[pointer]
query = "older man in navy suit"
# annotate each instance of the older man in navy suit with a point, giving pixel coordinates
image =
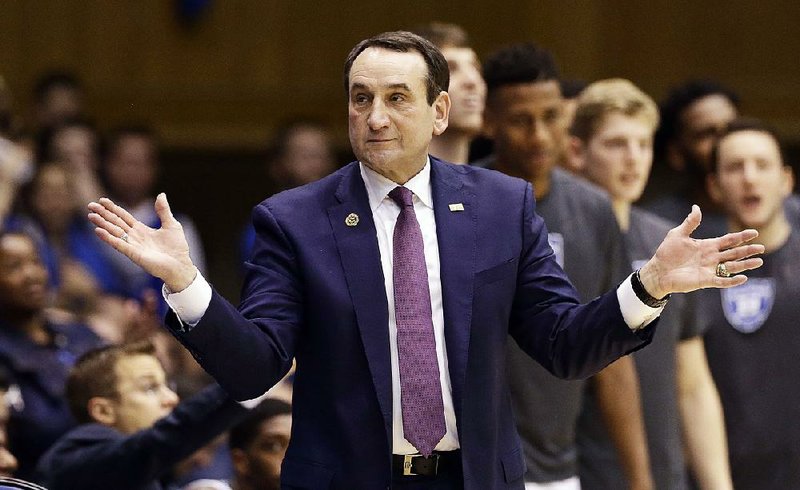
(395, 282)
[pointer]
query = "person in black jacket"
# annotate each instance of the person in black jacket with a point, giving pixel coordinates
(133, 430)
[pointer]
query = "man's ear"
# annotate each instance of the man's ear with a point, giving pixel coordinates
(576, 155)
(102, 410)
(441, 108)
(788, 181)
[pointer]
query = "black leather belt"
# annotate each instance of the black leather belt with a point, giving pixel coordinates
(440, 462)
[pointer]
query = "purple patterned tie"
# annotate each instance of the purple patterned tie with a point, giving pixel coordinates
(420, 388)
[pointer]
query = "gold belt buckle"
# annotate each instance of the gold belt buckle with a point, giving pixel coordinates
(409, 458)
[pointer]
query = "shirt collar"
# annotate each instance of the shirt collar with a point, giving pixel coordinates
(379, 187)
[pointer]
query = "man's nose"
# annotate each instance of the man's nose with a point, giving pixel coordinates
(169, 397)
(473, 78)
(378, 117)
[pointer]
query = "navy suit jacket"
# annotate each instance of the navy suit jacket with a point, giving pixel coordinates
(315, 291)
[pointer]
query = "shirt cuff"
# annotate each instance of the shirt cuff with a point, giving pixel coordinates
(190, 304)
(254, 402)
(636, 314)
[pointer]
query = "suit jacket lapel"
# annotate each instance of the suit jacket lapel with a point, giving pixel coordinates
(361, 261)
(456, 232)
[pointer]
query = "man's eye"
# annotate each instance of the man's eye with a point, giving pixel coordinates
(552, 115)
(398, 98)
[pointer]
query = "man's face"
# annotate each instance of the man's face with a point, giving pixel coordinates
(701, 123)
(76, 146)
(143, 396)
(467, 89)
(618, 156)
(23, 277)
(307, 156)
(526, 123)
(132, 168)
(751, 181)
(53, 199)
(391, 123)
(60, 104)
(260, 463)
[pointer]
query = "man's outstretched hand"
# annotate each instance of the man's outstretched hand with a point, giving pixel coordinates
(162, 252)
(682, 263)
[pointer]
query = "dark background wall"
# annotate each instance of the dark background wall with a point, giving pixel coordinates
(216, 86)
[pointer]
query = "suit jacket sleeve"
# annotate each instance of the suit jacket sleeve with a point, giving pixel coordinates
(547, 321)
(251, 348)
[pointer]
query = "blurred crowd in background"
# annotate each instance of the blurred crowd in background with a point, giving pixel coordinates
(63, 294)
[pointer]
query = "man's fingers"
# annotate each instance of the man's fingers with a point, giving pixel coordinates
(102, 223)
(119, 211)
(732, 240)
(739, 266)
(119, 244)
(729, 282)
(110, 217)
(741, 252)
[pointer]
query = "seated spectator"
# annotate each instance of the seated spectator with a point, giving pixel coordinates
(130, 172)
(36, 351)
(77, 265)
(16, 160)
(258, 445)
(58, 96)
(301, 152)
(76, 143)
(133, 430)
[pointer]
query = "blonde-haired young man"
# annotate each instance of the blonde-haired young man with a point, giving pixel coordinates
(612, 142)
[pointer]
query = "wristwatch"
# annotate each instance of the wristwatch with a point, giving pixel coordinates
(643, 295)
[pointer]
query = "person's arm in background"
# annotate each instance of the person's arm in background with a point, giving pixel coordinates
(617, 391)
(702, 420)
(16, 167)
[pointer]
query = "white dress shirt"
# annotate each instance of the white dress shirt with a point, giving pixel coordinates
(191, 303)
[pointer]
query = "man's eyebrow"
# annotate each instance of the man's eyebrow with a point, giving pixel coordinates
(402, 86)
(362, 86)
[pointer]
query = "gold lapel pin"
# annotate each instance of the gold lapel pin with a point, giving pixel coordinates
(351, 220)
(456, 206)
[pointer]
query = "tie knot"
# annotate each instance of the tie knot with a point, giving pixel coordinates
(402, 196)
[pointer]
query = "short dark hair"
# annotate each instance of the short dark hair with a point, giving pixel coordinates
(139, 130)
(244, 433)
(443, 34)
(745, 124)
(44, 144)
(438, 77)
(571, 88)
(54, 79)
(94, 374)
(519, 63)
(677, 100)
